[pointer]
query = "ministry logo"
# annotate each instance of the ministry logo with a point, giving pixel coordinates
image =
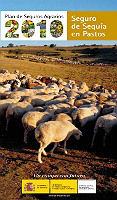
(29, 187)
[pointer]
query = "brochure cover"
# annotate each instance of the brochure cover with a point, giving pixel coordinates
(58, 100)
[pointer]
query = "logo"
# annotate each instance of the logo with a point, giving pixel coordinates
(29, 187)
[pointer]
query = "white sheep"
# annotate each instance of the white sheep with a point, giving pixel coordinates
(7, 77)
(111, 102)
(52, 88)
(55, 131)
(96, 87)
(24, 93)
(83, 86)
(104, 96)
(60, 99)
(61, 116)
(17, 110)
(89, 94)
(86, 101)
(107, 122)
(39, 100)
(11, 77)
(73, 93)
(5, 103)
(62, 107)
(16, 71)
(32, 119)
(86, 114)
(5, 88)
(70, 101)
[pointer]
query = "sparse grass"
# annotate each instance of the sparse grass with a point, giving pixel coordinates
(105, 53)
(106, 75)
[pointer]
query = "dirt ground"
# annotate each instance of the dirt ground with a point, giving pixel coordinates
(18, 162)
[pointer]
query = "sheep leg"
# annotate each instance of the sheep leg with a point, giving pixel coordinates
(44, 152)
(7, 123)
(43, 146)
(93, 139)
(65, 151)
(25, 136)
(104, 140)
(55, 145)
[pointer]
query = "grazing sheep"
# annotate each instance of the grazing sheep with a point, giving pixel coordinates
(81, 91)
(60, 99)
(96, 87)
(61, 87)
(59, 80)
(39, 100)
(62, 92)
(11, 77)
(106, 111)
(15, 84)
(24, 93)
(112, 92)
(31, 83)
(74, 87)
(16, 71)
(46, 80)
(32, 119)
(5, 88)
(55, 131)
(73, 93)
(83, 86)
(86, 114)
(104, 96)
(38, 108)
(65, 89)
(3, 78)
(38, 77)
(61, 116)
(62, 107)
(81, 102)
(70, 100)
(107, 122)
(7, 77)
(5, 95)
(17, 110)
(89, 94)
(3, 71)
(5, 103)
(114, 96)
(111, 102)
(71, 82)
(52, 88)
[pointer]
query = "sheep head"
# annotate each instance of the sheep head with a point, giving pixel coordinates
(78, 134)
(51, 109)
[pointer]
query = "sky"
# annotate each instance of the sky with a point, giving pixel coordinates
(57, 5)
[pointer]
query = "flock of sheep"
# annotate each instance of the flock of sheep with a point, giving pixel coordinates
(54, 109)
(59, 60)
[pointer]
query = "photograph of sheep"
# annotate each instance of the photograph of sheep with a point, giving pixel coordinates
(58, 116)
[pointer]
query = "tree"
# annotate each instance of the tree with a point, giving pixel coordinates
(10, 45)
(52, 45)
